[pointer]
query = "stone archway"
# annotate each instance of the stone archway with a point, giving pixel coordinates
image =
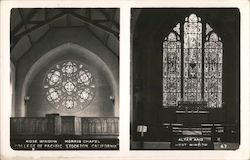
(54, 53)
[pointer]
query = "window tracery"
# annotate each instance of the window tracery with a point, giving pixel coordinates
(213, 71)
(200, 62)
(171, 70)
(192, 59)
(69, 86)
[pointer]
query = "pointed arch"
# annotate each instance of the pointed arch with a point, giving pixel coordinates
(53, 54)
(171, 70)
(213, 71)
(195, 74)
(192, 69)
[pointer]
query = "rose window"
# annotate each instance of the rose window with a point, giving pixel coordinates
(69, 86)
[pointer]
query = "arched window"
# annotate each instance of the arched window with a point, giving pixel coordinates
(213, 71)
(171, 70)
(192, 59)
(192, 71)
(69, 86)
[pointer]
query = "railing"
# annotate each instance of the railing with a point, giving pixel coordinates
(65, 125)
(100, 126)
(30, 125)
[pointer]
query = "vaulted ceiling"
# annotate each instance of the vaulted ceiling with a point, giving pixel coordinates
(28, 26)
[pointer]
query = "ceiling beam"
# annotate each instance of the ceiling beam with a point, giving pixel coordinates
(25, 25)
(106, 15)
(109, 25)
(82, 26)
(99, 39)
(42, 36)
(20, 25)
(100, 21)
(97, 25)
(34, 22)
(46, 16)
(88, 15)
(20, 35)
(12, 45)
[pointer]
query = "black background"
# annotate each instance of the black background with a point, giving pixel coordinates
(150, 28)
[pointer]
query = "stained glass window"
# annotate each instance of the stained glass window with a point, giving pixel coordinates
(201, 76)
(69, 86)
(171, 70)
(213, 71)
(192, 59)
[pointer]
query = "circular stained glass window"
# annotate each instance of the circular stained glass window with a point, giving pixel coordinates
(69, 86)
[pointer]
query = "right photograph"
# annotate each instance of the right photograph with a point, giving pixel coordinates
(185, 79)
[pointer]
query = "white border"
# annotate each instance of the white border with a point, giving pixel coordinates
(124, 153)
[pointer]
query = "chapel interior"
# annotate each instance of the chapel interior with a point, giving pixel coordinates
(185, 79)
(64, 72)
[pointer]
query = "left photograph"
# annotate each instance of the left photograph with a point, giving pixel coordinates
(64, 78)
